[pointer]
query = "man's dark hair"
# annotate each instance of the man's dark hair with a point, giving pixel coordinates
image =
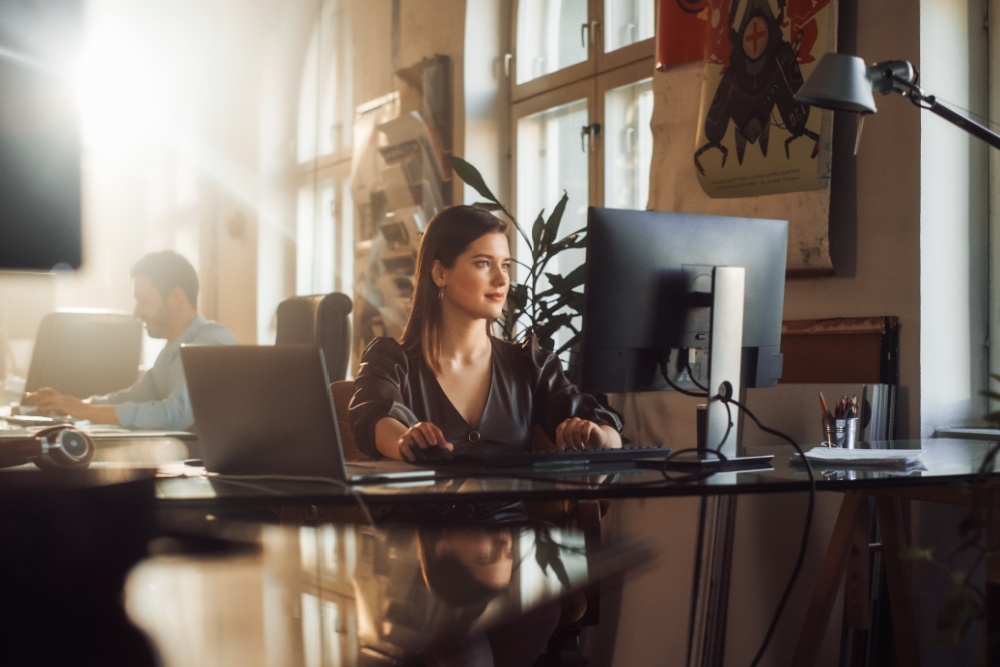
(167, 269)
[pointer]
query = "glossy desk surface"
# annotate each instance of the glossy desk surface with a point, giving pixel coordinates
(945, 462)
(87, 557)
(356, 595)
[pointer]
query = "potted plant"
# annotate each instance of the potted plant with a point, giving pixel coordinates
(540, 302)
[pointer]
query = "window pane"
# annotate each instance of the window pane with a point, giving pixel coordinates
(337, 109)
(325, 238)
(308, 125)
(344, 217)
(549, 36)
(325, 104)
(627, 22)
(628, 145)
(550, 159)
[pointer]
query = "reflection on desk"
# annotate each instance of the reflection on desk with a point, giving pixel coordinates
(345, 595)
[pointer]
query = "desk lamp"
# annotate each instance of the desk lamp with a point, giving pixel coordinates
(843, 83)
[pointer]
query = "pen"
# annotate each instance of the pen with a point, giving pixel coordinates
(822, 405)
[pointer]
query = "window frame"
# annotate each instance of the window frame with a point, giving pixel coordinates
(598, 61)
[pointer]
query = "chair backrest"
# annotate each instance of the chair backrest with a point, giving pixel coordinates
(322, 320)
(342, 391)
(86, 352)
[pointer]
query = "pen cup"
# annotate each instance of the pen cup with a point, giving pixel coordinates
(841, 432)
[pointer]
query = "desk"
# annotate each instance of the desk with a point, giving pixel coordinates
(950, 464)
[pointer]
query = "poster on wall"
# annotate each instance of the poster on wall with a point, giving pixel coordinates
(753, 138)
(399, 180)
(729, 138)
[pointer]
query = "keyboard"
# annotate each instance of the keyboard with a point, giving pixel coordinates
(37, 420)
(550, 459)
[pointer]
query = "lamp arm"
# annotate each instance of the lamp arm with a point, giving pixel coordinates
(967, 124)
(930, 103)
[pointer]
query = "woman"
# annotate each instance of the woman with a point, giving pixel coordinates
(467, 568)
(448, 384)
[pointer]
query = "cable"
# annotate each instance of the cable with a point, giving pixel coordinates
(800, 560)
(678, 388)
(238, 480)
(690, 372)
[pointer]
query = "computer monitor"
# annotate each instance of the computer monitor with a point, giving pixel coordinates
(40, 149)
(652, 280)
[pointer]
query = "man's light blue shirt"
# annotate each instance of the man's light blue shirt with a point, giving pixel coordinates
(159, 400)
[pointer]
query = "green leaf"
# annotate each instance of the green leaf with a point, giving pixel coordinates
(518, 296)
(471, 176)
(552, 225)
(916, 553)
(576, 278)
(576, 302)
(577, 239)
(569, 344)
(536, 235)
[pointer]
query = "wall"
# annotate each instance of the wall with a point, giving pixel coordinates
(877, 257)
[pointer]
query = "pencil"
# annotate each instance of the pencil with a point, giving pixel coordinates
(822, 405)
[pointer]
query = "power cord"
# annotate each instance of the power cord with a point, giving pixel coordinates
(800, 560)
(676, 387)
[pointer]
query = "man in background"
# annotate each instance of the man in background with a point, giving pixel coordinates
(166, 300)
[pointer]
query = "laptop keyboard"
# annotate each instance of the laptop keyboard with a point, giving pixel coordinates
(551, 458)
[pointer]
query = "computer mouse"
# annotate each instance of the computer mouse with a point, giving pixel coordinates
(431, 454)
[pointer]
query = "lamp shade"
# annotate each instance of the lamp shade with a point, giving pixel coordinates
(839, 82)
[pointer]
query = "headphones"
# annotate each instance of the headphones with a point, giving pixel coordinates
(50, 448)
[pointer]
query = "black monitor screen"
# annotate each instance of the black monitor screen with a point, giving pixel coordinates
(39, 135)
(648, 292)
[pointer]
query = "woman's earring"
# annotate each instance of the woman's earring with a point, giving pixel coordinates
(440, 295)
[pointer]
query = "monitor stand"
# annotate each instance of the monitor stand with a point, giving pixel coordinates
(725, 350)
(718, 423)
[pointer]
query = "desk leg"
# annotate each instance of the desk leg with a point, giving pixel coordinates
(989, 638)
(853, 517)
(903, 628)
(857, 588)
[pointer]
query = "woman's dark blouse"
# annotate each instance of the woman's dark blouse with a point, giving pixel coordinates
(528, 387)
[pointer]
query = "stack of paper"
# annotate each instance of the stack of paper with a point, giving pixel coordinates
(853, 458)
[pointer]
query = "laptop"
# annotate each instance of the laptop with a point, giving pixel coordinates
(267, 410)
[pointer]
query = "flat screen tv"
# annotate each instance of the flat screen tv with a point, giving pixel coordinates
(40, 210)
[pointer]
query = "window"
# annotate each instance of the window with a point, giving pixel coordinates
(324, 228)
(993, 187)
(582, 104)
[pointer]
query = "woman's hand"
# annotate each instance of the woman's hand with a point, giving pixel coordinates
(576, 433)
(421, 437)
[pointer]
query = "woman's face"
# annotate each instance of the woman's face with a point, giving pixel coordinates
(476, 285)
(488, 554)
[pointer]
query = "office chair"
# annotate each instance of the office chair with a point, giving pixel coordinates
(322, 320)
(85, 352)
(342, 391)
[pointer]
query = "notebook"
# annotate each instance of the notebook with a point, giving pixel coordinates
(268, 410)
